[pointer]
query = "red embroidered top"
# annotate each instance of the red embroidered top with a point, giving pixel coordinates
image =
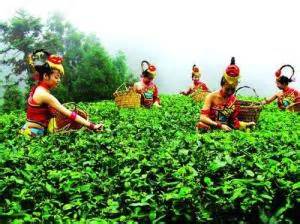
(201, 85)
(39, 114)
(149, 93)
(225, 113)
(289, 96)
(195, 87)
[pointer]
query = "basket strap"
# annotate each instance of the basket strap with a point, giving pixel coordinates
(248, 87)
(70, 104)
(123, 84)
(142, 65)
(288, 66)
(75, 107)
(293, 105)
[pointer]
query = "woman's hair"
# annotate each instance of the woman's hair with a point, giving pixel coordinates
(41, 65)
(284, 80)
(147, 74)
(43, 69)
(223, 81)
(149, 71)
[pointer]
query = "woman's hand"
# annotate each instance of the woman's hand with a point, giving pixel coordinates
(271, 99)
(245, 125)
(249, 124)
(96, 127)
(156, 104)
(264, 102)
(225, 127)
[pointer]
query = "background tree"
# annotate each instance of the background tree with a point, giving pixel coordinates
(91, 73)
(13, 98)
(18, 37)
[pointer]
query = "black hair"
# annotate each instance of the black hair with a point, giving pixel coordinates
(42, 69)
(223, 81)
(284, 80)
(147, 74)
(232, 61)
(193, 75)
(47, 53)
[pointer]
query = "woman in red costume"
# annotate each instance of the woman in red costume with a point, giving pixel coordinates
(146, 87)
(288, 96)
(41, 105)
(219, 109)
(197, 84)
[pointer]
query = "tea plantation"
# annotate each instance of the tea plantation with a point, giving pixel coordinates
(150, 166)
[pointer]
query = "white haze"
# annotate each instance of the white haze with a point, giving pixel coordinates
(174, 35)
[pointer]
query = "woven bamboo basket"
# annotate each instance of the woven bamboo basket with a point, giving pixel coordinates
(248, 110)
(199, 95)
(295, 107)
(127, 98)
(64, 124)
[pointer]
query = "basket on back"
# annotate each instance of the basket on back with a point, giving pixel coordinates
(127, 98)
(199, 95)
(248, 110)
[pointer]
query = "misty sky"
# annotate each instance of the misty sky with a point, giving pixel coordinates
(174, 35)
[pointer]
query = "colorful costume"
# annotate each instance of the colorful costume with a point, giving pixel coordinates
(148, 91)
(225, 113)
(41, 62)
(289, 95)
(38, 114)
(197, 85)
